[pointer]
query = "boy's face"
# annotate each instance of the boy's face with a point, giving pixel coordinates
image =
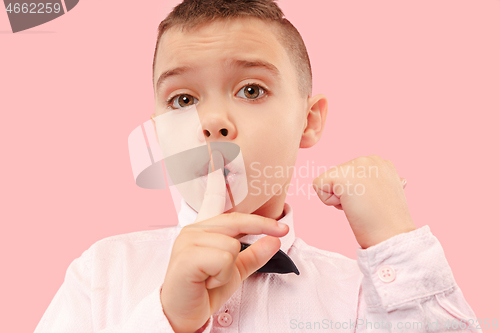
(266, 123)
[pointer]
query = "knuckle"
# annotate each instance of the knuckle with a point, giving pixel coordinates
(267, 221)
(364, 160)
(379, 159)
(180, 240)
(188, 228)
(390, 164)
(332, 173)
(235, 246)
(227, 257)
(233, 216)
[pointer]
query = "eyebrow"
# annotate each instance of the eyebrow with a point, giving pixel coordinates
(233, 63)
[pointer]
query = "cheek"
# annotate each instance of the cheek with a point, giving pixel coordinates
(276, 135)
(273, 138)
(286, 135)
(272, 149)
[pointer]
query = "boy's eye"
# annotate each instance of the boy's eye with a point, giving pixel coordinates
(251, 91)
(181, 101)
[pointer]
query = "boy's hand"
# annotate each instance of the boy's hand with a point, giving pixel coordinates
(206, 266)
(374, 202)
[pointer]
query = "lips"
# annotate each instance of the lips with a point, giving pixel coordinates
(230, 169)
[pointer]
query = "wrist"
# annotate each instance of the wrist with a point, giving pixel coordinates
(381, 235)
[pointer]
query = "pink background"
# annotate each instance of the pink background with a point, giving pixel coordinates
(414, 82)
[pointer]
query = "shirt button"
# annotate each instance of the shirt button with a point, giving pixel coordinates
(225, 319)
(386, 273)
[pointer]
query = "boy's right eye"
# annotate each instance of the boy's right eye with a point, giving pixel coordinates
(181, 101)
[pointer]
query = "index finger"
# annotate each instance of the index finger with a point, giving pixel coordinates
(236, 223)
(214, 199)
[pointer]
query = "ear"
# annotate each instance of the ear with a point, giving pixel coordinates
(154, 125)
(314, 124)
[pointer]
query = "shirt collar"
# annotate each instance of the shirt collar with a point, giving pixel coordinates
(187, 216)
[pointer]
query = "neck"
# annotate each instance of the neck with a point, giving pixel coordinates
(273, 208)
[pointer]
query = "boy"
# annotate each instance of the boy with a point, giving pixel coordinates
(247, 72)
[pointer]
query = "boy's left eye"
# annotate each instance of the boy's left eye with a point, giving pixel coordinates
(251, 91)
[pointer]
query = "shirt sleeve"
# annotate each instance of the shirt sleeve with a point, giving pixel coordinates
(408, 286)
(71, 308)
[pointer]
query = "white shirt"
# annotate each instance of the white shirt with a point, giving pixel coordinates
(114, 286)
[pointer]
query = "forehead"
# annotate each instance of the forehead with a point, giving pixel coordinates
(218, 42)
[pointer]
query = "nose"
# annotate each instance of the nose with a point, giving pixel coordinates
(222, 131)
(217, 126)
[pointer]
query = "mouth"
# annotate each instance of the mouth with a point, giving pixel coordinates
(230, 172)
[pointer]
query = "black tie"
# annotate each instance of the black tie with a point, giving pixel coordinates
(280, 263)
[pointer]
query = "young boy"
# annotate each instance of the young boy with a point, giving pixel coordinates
(247, 71)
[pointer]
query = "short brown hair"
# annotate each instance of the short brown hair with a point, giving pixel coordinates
(192, 13)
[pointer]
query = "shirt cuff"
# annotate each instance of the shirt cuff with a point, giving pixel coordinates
(403, 268)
